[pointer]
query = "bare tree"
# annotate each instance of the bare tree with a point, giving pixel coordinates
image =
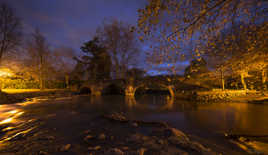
(10, 30)
(38, 51)
(120, 40)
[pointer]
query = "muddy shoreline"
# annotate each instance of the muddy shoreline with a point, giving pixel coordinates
(12, 98)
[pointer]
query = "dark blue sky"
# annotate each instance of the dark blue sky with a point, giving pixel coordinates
(69, 23)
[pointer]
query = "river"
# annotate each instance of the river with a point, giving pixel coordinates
(207, 122)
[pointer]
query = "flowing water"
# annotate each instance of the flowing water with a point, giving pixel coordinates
(207, 121)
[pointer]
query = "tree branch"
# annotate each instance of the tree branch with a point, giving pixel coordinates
(199, 17)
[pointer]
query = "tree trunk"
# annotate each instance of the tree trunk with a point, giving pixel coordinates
(222, 79)
(172, 93)
(0, 60)
(264, 77)
(243, 81)
(41, 74)
(67, 81)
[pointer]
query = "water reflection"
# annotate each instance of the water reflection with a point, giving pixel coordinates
(95, 99)
(239, 118)
(197, 119)
(170, 103)
(130, 101)
(8, 114)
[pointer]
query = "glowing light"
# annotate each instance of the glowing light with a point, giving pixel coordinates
(13, 112)
(8, 128)
(6, 121)
(5, 72)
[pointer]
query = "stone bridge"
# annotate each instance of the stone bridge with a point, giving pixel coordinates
(129, 87)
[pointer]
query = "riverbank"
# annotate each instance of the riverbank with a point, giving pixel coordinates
(10, 96)
(132, 137)
(229, 96)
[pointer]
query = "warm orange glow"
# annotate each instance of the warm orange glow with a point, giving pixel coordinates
(5, 72)
(6, 121)
(13, 112)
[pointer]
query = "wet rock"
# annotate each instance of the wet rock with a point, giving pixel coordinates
(101, 136)
(116, 117)
(160, 141)
(172, 132)
(200, 148)
(151, 144)
(88, 137)
(125, 148)
(114, 151)
(42, 153)
(50, 137)
(135, 138)
(141, 151)
(87, 131)
(134, 124)
(95, 148)
(65, 147)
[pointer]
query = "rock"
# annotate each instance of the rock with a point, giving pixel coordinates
(42, 153)
(135, 138)
(87, 131)
(65, 147)
(114, 151)
(135, 124)
(125, 148)
(102, 136)
(94, 148)
(117, 117)
(172, 132)
(141, 151)
(88, 137)
(197, 147)
(50, 137)
(160, 141)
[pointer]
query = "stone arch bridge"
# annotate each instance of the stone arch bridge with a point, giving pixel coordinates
(129, 87)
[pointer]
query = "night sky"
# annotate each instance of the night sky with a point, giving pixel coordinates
(69, 23)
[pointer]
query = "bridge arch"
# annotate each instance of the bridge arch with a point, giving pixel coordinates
(113, 89)
(132, 90)
(85, 90)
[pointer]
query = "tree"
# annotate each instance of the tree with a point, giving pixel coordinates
(135, 73)
(120, 40)
(197, 66)
(63, 63)
(38, 52)
(10, 30)
(174, 24)
(96, 59)
(239, 50)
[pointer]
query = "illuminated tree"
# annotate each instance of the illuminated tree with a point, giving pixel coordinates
(239, 50)
(120, 40)
(10, 30)
(173, 25)
(197, 66)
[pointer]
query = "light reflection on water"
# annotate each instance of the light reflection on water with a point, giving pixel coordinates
(207, 120)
